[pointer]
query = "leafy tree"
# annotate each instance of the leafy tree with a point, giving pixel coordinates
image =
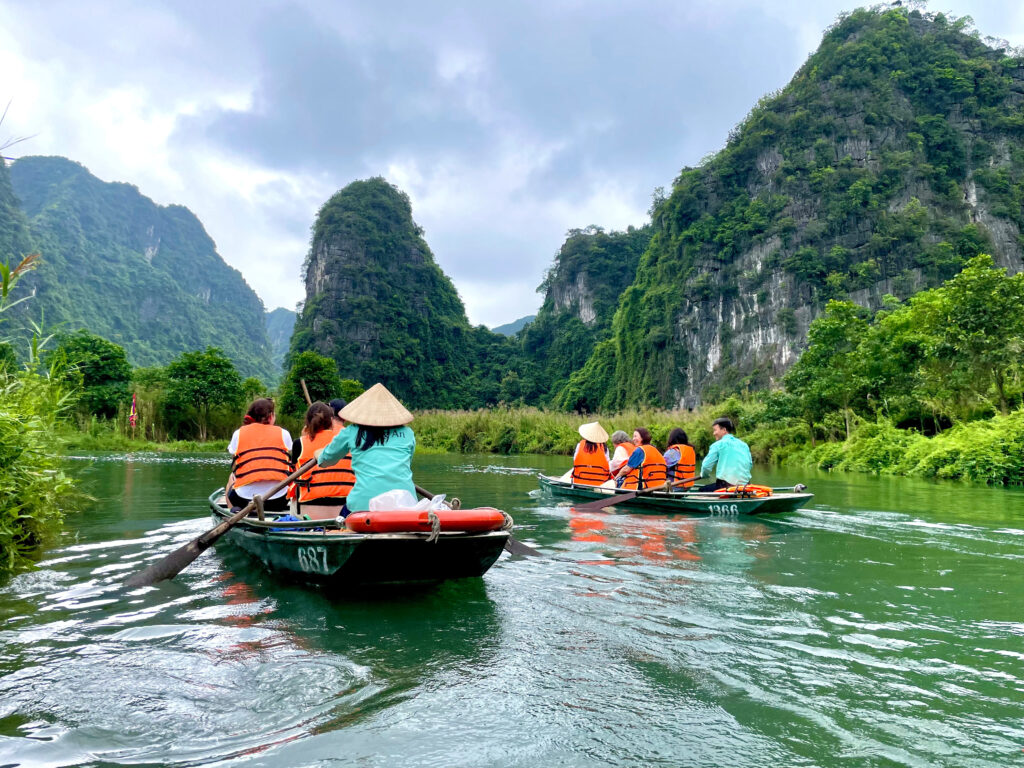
(830, 373)
(253, 388)
(201, 381)
(321, 376)
(104, 371)
(980, 326)
(350, 389)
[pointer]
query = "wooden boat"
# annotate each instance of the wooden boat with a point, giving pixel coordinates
(322, 551)
(689, 502)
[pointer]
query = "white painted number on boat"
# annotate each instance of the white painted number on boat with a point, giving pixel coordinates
(724, 509)
(313, 559)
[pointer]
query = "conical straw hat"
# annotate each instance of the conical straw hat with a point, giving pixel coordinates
(376, 407)
(593, 432)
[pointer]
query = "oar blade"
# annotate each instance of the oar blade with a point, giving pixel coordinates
(597, 506)
(516, 547)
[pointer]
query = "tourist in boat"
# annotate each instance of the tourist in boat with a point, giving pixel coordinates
(321, 486)
(645, 466)
(729, 457)
(337, 404)
(261, 458)
(590, 459)
(680, 457)
(380, 443)
(623, 447)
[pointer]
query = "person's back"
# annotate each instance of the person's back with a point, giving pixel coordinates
(322, 486)
(261, 458)
(729, 457)
(381, 444)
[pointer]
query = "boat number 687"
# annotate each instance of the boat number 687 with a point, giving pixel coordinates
(313, 559)
(724, 509)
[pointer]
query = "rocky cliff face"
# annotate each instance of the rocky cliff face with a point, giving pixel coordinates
(280, 324)
(894, 154)
(147, 277)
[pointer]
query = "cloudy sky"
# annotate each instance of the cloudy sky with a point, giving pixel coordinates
(506, 123)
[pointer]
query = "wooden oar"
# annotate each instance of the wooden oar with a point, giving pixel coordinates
(596, 506)
(513, 546)
(173, 563)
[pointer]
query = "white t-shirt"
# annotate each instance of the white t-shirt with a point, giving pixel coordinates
(261, 486)
(621, 456)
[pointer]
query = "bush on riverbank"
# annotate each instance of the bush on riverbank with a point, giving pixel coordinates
(989, 451)
(34, 491)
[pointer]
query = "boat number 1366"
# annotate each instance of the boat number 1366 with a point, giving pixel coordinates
(724, 509)
(313, 559)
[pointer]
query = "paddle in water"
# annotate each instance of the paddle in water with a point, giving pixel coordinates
(171, 565)
(512, 545)
(597, 506)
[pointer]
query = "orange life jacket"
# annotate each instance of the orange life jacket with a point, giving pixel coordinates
(686, 466)
(590, 468)
(746, 491)
(261, 455)
(333, 482)
(652, 472)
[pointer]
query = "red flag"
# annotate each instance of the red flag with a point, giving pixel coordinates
(133, 414)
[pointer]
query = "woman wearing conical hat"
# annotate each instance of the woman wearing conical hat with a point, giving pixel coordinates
(380, 443)
(590, 459)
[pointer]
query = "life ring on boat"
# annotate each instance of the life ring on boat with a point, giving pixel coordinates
(416, 521)
(746, 491)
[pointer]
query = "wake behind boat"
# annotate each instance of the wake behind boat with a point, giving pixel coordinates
(690, 502)
(323, 551)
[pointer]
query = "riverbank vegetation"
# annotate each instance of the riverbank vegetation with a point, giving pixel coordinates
(34, 491)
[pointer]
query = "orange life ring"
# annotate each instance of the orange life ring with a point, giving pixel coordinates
(413, 521)
(746, 491)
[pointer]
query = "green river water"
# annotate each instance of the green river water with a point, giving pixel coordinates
(881, 626)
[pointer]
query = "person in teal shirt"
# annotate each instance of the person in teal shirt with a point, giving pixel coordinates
(729, 457)
(380, 443)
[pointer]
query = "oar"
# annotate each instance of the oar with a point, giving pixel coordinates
(173, 563)
(514, 546)
(596, 506)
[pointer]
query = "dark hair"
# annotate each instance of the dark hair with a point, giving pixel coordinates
(337, 404)
(589, 447)
(367, 437)
(260, 411)
(319, 417)
(725, 424)
(645, 435)
(678, 437)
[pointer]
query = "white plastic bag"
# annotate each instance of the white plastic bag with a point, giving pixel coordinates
(396, 499)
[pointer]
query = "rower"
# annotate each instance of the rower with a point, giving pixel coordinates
(729, 457)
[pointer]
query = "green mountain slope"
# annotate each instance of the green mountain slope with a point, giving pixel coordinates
(581, 291)
(280, 324)
(147, 277)
(893, 155)
(379, 305)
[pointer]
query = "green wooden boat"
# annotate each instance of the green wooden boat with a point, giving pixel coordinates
(689, 502)
(322, 551)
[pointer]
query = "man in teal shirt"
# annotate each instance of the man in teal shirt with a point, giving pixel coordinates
(729, 457)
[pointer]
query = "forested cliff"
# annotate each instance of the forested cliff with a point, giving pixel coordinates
(893, 155)
(378, 304)
(145, 276)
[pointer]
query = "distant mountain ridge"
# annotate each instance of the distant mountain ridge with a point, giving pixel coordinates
(145, 276)
(511, 329)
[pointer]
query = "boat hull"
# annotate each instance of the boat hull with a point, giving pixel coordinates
(689, 502)
(335, 555)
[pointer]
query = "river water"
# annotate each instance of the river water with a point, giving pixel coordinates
(881, 626)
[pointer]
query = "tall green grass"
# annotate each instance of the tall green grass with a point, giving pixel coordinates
(34, 490)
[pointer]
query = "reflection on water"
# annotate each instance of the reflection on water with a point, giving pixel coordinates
(881, 626)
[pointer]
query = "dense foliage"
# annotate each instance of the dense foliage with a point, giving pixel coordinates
(101, 369)
(144, 276)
